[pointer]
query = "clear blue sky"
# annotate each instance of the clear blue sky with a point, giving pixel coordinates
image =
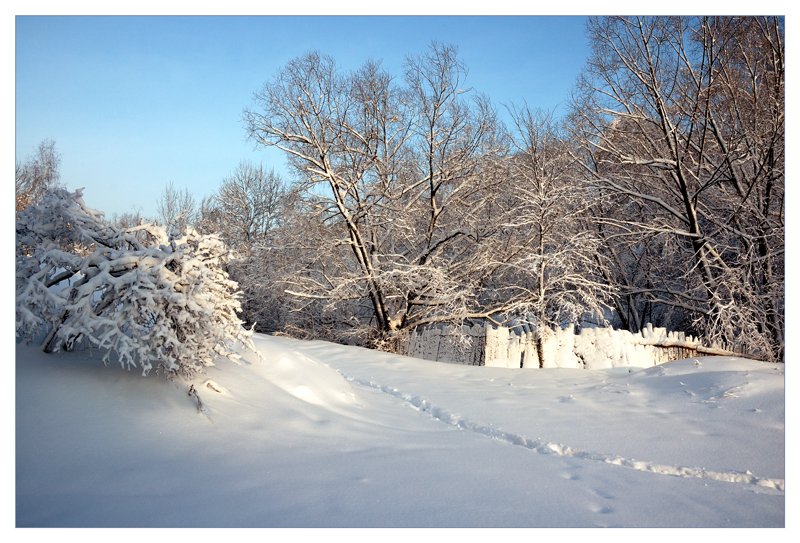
(135, 102)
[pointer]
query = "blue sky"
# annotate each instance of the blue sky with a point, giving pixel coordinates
(135, 102)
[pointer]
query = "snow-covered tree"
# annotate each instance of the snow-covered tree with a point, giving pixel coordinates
(248, 205)
(249, 212)
(682, 120)
(145, 298)
(401, 180)
(559, 269)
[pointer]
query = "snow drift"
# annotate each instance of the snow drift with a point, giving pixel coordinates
(323, 435)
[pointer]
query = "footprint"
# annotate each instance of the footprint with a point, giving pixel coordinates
(601, 509)
(603, 494)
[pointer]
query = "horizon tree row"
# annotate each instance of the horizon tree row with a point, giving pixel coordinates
(661, 195)
(658, 198)
(414, 205)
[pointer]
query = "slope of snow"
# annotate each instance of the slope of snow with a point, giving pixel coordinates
(321, 435)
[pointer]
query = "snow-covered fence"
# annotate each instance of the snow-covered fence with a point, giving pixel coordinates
(590, 348)
(462, 345)
(608, 348)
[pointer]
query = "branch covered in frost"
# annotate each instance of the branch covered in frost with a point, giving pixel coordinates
(143, 298)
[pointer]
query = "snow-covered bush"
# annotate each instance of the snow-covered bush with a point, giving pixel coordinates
(145, 298)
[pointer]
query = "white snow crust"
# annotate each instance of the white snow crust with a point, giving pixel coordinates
(322, 435)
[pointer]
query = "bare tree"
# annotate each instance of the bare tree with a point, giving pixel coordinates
(37, 174)
(176, 209)
(208, 217)
(249, 204)
(400, 180)
(684, 116)
(560, 269)
(249, 212)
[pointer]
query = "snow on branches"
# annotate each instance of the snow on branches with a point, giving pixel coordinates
(145, 298)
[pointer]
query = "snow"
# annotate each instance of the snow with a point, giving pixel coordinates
(322, 435)
(139, 294)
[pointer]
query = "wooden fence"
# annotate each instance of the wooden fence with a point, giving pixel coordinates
(461, 345)
(590, 348)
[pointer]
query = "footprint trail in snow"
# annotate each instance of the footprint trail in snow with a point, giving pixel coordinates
(541, 446)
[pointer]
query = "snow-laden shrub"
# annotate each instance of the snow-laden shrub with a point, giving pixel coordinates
(145, 298)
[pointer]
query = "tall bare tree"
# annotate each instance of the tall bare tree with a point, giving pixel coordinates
(685, 118)
(559, 267)
(401, 180)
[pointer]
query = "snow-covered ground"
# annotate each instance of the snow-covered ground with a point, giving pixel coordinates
(322, 435)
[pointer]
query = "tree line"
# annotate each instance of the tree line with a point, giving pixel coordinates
(409, 202)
